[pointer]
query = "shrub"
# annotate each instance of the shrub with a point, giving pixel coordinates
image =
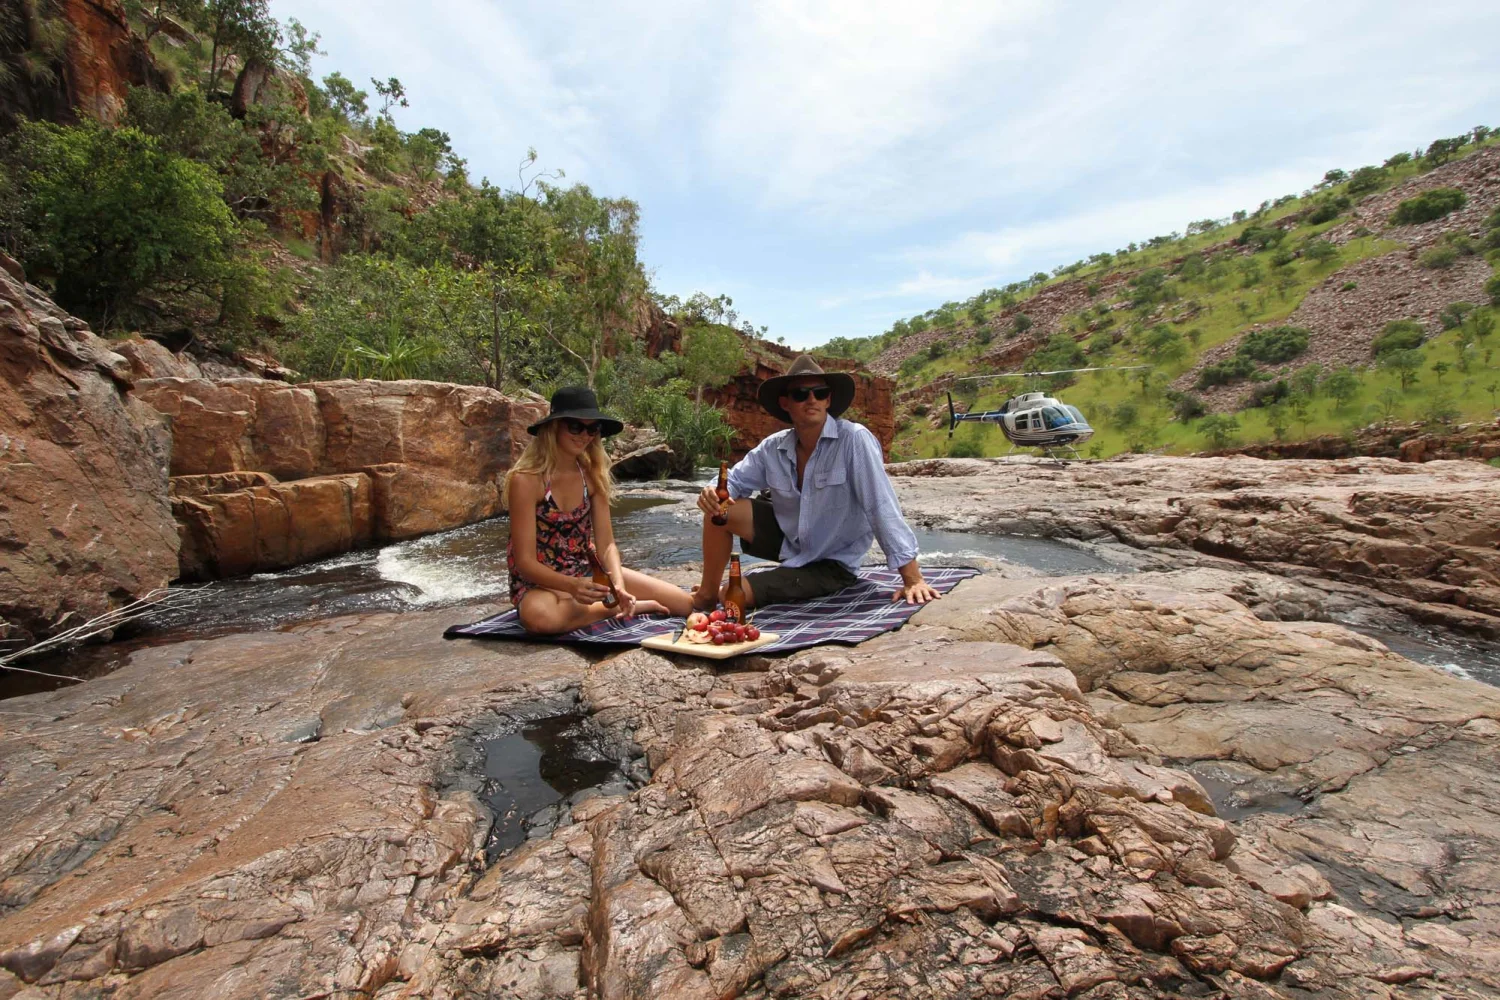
(1273, 346)
(1349, 286)
(936, 349)
(1492, 289)
(1453, 314)
(1268, 393)
(113, 215)
(1440, 257)
(964, 448)
(1189, 407)
(1429, 205)
(1229, 370)
(1398, 159)
(1261, 236)
(1366, 179)
(1399, 335)
(1321, 251)
(1327, 210)
(1220, 429)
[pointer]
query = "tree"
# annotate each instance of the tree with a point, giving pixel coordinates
(1441, 368)
(1277, 420)
(1405, 364)
(301, 46)
(1389, 400)
(1342, 384)
(391, 92)
(1220, 429)
(237, 27)
(1335, 176)
(1306, 379)
(346, 100)
(712, 355)
(1366, 179)
(112, 215)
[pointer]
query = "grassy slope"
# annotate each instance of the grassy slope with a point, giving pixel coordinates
(1225, 311)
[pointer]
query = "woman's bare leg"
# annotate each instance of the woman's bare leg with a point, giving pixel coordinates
(674, 600)
(547, 612)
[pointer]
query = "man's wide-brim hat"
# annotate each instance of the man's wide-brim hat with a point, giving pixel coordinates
(576, 402)
(772, 389)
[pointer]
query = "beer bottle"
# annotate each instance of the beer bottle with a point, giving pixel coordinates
(602, 578)
(722, 517)
(734, 593)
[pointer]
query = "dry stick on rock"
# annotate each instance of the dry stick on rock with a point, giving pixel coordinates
(161, 599)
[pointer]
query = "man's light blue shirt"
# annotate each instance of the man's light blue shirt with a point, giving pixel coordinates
(850, 500)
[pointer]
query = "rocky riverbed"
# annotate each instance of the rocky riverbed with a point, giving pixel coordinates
(1174, 782)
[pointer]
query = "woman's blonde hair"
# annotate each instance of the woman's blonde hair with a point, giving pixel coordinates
(542, 455)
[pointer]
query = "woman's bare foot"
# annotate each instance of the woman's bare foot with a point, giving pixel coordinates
(651, 608)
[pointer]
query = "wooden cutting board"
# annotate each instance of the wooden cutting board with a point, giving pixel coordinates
(664, 643)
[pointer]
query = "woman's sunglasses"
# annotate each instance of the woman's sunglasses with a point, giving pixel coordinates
(800, 394)
(579, 427)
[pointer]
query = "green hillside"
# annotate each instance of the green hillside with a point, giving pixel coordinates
(1408, 247)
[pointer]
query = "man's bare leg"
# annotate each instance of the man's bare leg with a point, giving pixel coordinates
(718, 542)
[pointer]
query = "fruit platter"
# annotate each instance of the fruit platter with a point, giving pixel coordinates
(713, 635)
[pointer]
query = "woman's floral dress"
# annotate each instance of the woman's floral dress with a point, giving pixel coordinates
(563, 539)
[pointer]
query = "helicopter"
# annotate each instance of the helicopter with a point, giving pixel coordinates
(1035, 419)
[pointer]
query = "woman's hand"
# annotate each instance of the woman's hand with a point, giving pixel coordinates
(585, 590)
(627, 603)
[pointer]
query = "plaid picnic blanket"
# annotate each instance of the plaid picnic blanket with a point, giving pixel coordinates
(848, 617)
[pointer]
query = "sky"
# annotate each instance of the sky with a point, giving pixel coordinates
(836, 166)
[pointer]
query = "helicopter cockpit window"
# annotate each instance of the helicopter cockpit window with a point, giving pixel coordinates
(1056, 417)
(1076, 412)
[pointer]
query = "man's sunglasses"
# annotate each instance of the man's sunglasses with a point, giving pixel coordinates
(800, 394)
(579, 427)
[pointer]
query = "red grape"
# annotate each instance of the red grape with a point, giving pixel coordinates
(752, 633)
(716, 615)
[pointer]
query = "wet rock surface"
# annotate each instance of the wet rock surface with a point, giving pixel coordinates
(1421, 538)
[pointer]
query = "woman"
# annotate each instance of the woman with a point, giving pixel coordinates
(563, 477)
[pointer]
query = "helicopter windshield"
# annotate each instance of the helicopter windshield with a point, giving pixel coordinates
(1077, 414)
(1055, 417)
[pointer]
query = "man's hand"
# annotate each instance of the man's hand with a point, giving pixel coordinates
(708, 502)
(916, 593)
(914, 589)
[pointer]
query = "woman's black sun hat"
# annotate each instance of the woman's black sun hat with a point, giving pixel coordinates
(577, 402)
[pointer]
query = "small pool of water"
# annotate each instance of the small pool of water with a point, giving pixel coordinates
(533, 775)
(1239, 790)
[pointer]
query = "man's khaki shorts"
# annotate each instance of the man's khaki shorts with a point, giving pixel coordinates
(786, 583)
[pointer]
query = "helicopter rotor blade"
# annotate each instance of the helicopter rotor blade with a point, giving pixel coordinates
(1058, 371)
(952, 416)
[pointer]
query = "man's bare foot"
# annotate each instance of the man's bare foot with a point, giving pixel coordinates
(702, 602)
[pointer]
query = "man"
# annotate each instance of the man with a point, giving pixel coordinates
(830, 497)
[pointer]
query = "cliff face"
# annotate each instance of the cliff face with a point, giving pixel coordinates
(873, 404)
(84, 519)
(101, 61)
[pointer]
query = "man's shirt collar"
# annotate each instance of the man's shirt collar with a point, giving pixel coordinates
(788, 443)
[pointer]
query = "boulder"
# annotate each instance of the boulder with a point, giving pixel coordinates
(654, 461)
(84, 518)
(273, 526)
(468, 433)
(410, 501)
(149, 359)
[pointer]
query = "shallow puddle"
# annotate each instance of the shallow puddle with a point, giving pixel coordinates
(532, 775)
(1238, 790)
